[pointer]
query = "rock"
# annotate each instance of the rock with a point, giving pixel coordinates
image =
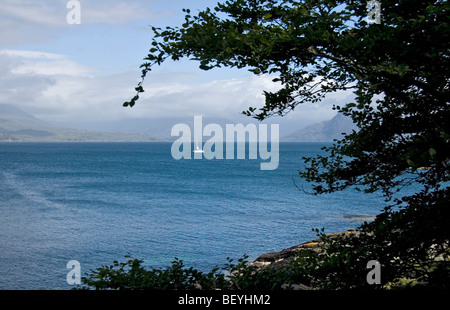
(284, 257)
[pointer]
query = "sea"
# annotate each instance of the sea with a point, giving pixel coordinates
(96, 203)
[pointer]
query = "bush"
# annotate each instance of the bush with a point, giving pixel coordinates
(411, 244)
(131, 275)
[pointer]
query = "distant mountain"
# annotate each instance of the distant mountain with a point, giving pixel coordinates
(13, 118)
(156, 127)
(325, 131)
(17, 125)
(162, 127)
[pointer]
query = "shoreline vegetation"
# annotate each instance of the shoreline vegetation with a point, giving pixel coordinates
(310, 266)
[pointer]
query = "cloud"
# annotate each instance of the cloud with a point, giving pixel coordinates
(57, 89)
(50, 13)
(31, 54)
(53, 68)
(40, 21)
(18, 88)
(226, 97)
(54, 12)
(80, 76)
(43, 63)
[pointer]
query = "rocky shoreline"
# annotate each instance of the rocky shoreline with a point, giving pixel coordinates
(284, 257)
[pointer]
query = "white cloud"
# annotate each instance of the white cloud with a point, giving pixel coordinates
(42, 21)
(31, 54)
(54, 12)
(226, 98)
(218, 98)
(43, 63)
(18, 88)
(55, 88)
(58, 67)
(61, 86)
(50, 13)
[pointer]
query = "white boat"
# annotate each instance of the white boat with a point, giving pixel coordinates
(197, 149)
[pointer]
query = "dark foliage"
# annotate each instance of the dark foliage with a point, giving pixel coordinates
(398, 71)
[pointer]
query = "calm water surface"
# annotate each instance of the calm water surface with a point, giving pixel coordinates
(98, 202)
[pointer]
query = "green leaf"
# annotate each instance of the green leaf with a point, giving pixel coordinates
(267, 15)
(432, 152)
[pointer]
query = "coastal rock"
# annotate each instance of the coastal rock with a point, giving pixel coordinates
(284, 257)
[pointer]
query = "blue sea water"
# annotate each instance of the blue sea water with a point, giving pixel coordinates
(98, 202)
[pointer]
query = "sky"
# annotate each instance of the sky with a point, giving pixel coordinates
(67, 73)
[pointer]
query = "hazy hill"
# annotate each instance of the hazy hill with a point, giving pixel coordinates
(13, 118)
(325, 131)
(17, 125)
(162, 127)
(157, 127)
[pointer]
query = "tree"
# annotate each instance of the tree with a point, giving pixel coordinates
(398, 71)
